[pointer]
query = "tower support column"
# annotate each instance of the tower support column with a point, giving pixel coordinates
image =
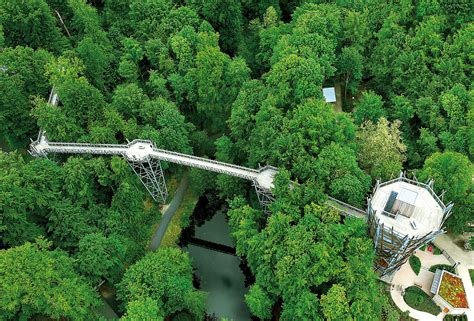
(265, 197)
(151, 175)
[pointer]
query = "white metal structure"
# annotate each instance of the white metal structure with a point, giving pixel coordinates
(402, 214)
(144, 158)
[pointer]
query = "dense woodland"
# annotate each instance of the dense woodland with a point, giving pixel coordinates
(239, 81)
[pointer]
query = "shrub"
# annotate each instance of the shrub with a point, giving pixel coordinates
(450, 317)
(445, 267)
(415, 264)
(419, 300)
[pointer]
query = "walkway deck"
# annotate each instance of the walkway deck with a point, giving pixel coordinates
(139, 150)
(346, 209)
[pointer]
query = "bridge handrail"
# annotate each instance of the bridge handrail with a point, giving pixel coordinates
(410, 181)
(115, 146)
(206, 160)
(248, 173)
(358, 210)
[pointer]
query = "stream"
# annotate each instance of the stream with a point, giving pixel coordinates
(219, 273)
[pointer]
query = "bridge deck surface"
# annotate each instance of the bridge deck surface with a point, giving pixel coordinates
(346, 208)
(139, 150)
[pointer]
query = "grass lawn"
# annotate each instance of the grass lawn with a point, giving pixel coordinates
(415, 264)
(419, 300)
(471, 273)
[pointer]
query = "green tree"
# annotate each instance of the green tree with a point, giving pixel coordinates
(30, 23)
(427, 143)
(68, 223)
(259, 302)
(36, 281)
(218, 79)
(334, 303)
(100, 257)
(16, 224)
(301, 250)
(129, 99)
(164, 276)
(96, 60)
(146, 16)
(54, 122)
(452, 172)
(369, 108)
(22, 76)
(165, 125)
(242, 118)
(381, 150)
(294, 141)
(293, 79)
(2, 37)
(142, 309)
(337, 168)
(226, 17)
(313, 35)
(350, 67)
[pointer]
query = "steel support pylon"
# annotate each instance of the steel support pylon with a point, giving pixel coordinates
(265, 197)
(151, 175)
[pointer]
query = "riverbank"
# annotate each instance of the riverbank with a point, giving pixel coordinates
(179, 216)
(168, 220)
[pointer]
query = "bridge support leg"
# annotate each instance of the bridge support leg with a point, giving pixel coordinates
(265, 197)
(151, 175)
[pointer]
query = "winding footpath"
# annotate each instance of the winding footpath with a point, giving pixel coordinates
(169, 212)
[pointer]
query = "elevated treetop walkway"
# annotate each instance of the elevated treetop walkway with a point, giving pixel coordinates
(144, 158)
(141, 150)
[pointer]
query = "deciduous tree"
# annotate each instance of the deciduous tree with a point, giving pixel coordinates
(36, 281)
(165, 277)
(381, 150)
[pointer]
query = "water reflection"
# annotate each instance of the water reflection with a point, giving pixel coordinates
(219, 273)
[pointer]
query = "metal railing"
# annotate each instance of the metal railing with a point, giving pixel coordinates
(417, 183)
(211, 161)
(449, 258)
(42, 145)
(347, 205)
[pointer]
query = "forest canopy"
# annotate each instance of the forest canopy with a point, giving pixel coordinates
(241, 82)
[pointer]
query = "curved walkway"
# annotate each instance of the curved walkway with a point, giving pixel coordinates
(169, 212)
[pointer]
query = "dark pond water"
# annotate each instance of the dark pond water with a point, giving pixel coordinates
(218, 273)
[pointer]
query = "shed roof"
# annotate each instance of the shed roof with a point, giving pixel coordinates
(329, 94)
